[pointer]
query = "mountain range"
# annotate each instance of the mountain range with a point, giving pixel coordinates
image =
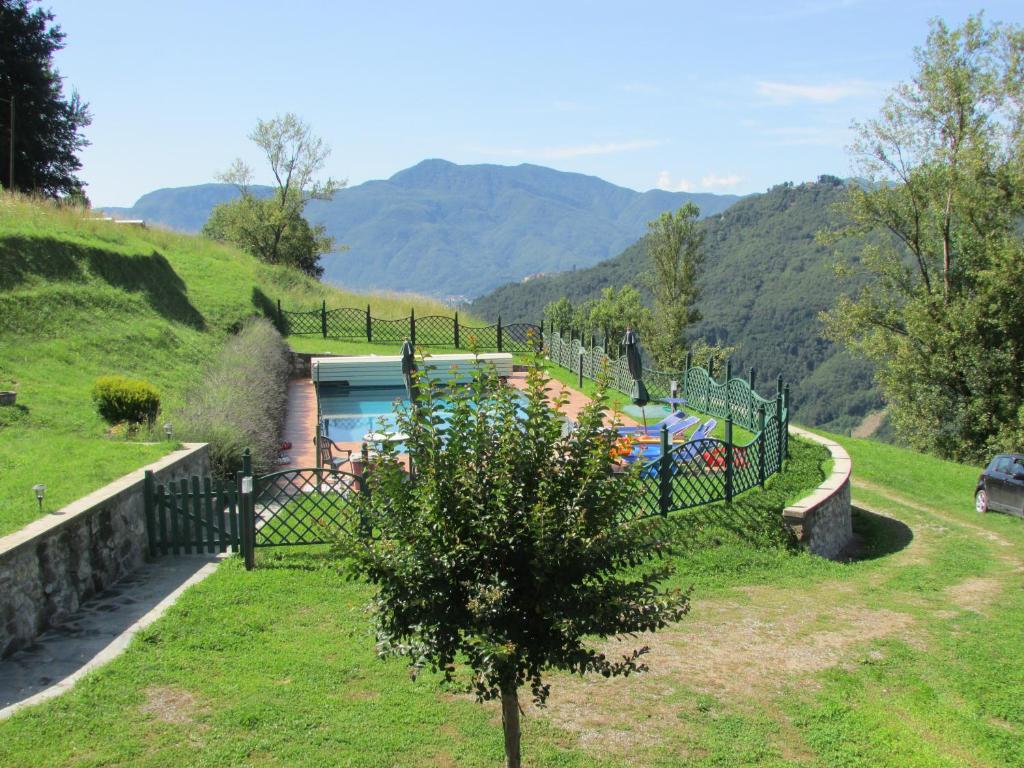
(765, 279)
(443, 229)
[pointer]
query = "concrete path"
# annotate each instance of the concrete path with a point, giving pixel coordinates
(98, 632)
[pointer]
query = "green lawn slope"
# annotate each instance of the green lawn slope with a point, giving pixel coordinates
(79, 299)
(908, 657)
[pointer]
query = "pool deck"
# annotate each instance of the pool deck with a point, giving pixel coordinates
(300, 422)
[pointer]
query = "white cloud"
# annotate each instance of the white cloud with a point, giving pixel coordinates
(564, 105)
(574, 150)
(713, 181)
(823, 93)
(665, 182)
(645, 88)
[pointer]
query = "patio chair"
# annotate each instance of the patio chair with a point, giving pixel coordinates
(655, 429)
(332, 456)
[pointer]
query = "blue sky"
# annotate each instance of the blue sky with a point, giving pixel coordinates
(711, 96)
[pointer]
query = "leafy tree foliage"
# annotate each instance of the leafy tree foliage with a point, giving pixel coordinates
(939, 313)
(675, 247)
(46, 125)
(275, 229)
(276, 233)
(505, 551)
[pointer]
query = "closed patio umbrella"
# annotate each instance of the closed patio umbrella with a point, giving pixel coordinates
(408, 369)
(636, 369)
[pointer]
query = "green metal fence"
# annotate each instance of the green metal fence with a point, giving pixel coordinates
(357, 324)
(702, 471)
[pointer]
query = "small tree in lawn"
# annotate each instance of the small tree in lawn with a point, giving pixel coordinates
(505, 554)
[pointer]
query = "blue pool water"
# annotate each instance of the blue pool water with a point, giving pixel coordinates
(349, 414)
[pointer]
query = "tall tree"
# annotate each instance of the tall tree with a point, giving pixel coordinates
(506, 552)
(275, 229)
(939, 311)
(46, 131)
(675, 247)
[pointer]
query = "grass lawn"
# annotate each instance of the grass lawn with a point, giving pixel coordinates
(907, 657)
(81, 299)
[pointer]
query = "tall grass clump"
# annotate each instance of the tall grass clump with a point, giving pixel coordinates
(242, 400)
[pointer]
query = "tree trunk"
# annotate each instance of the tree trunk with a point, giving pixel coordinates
(510, 722)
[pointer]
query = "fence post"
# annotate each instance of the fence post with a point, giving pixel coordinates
(456, 329)
(369, 325)
(581, 368)
(686, 372)
(750, 378)
(778, 417)
(149, 491)
(778, 388)
(728, 370)
(280, 318)
(247, 508)
(728, 458)
(499, 333)
(246, 462)
(412, 325)
(761, 444)
(664, 475)
(785, 431)
(323, 318)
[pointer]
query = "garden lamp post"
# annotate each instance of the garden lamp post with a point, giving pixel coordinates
(10, 173)
(168, 429)
(40, 490)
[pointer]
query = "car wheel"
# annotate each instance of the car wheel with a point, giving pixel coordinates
(981, 501)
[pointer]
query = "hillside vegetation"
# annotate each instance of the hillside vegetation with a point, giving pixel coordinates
(80, 299)
(444, 229)
(765, 280)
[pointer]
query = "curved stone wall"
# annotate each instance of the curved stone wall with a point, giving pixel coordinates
(822, 521)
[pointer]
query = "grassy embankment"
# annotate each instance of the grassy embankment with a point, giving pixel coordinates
(80, 299)
(908, 657)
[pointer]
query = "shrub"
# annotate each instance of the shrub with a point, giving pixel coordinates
(119, 399)
(242, 400)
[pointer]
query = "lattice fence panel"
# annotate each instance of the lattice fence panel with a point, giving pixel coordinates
(301, 323)
(658, 383)
(435, 331)
(482, 336)
(390, 331)
(698, 473)
(520, 337)
(304, 506)
(646, 495)
(744, 468)
(346, 323)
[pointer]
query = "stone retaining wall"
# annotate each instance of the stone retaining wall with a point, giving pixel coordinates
(822, 522)
(49, 567)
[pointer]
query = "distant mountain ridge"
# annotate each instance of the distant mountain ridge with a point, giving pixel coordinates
(765, 280)
(444, 229)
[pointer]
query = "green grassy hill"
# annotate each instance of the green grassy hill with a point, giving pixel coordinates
(80, 299)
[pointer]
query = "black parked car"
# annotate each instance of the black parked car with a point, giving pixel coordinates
(1001, 486)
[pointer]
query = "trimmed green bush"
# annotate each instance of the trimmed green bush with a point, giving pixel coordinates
(119, 398)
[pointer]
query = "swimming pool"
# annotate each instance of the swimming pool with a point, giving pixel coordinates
(350, 413)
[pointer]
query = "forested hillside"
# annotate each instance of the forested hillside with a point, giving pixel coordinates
(765, 280)
(448, 230)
